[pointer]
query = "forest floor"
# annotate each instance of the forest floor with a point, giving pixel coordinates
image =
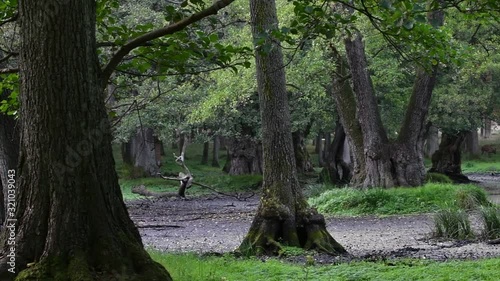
(217, 224)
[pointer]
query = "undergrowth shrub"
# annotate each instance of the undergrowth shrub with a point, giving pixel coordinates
(452, 223)
(490, 217)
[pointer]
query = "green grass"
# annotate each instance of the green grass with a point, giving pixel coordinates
(452, 224)
(204, 174)
(190, 267)
(429, 198)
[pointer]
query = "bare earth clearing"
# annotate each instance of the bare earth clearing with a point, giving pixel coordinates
(218, 224)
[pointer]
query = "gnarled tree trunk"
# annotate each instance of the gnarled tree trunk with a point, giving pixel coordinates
(388, 164)
(71, 223)
(283, 216)
(337, 170)
(447, 159)
(244, 156)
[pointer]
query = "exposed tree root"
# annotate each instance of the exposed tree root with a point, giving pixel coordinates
(267, 236)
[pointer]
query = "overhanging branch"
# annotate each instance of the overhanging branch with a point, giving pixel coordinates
(170, 29)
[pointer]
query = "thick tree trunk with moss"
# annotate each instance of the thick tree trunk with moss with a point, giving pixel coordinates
(72, 223)
(283, 216)
(345, 102)
(447, 159)
(398, 163)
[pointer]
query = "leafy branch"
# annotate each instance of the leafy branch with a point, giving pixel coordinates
(154, 34)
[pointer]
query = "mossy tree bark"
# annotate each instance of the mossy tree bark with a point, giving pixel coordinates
(72, 223)
(283, 216)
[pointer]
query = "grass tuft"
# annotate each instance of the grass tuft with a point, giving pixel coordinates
(452, 223)
(491, 222)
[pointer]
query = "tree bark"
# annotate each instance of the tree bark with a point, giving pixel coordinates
(244, 156)
(398, 163)
(302, 158)
(431, 141)
(472, 143)
(345, 103)
(204, 157)
(447, 159)
(337, 170)
(215, 152)
(141, 152)
(487, 128)
(283, 216)
(71, 223)
(158, 151)
(9, 153)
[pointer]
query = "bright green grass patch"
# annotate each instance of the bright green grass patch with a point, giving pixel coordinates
(190, 267)
(428, 198)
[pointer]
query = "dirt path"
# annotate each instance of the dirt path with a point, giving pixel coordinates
(218, 224)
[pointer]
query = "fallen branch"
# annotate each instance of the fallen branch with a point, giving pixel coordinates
(237, 195)
(494, 241)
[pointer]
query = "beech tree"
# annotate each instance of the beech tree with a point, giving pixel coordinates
(71, 219)
(283, 216)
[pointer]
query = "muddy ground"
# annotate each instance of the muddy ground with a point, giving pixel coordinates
(218, 224)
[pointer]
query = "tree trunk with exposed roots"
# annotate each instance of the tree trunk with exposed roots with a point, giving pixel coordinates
(283, 216)
(71, 223)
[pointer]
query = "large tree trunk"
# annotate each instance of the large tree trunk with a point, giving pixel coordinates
(447, 159)
(244, 156)
(283, 216)
(431, 141)
(204, 157)
(378, 169)
(337, 170)
(159, 152)
(71, 223)
(215, 152)
(141, 152)
(472, 143)
(487, 128)
(399, 163)
(345, 102)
